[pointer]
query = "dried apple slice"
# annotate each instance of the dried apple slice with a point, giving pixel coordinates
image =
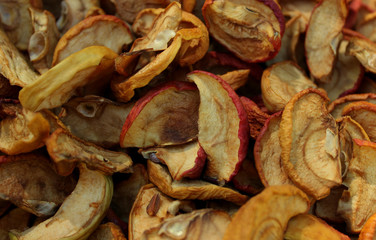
(367, 27)
(321, 43)
(95, 119)
(199, 224)
(368, 230)
(308, 135)
(256, 117)
(28, 181)
(281, 82)
(57, 85)
(346, 75)
(364, 50)
(190, 189)
(167, 115)
(309, 227)
(66, 150)
(266, 215)
(116, 35)
(14, 67)
(236, 78)
(185, 160)
(326, 208)
(15, 219)
(298, 7)
(267, 153)
(107, 231)
(223, 130)
(80, 213)
(251, 30)
(356, 204)
(336, 107)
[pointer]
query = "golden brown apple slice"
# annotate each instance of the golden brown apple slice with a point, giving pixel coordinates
(167, 115)
(308, 135)
(15, 219)
(101, 30)
(365, 114)
(28, 181)
(364, 50)
(236, 78)
(80, 213)
(190, 189)
(57, 85)
(267, 153)
(199, 224)
(95, 119)
(326, 208)
(309, 227)
(66, 150)
(266, 215)
(251, 30)
(368, 230)
(256, 117)
(298, 7)
(356, 204)
(223, 130)
(336, 107)
(281, 82)
(186, 160)
(321, 43)
(107, 231)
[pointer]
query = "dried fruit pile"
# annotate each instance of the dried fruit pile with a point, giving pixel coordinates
(223, 119)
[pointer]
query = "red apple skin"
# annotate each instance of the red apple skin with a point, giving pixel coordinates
(361, 142)
(243, 132)
(200, 161)
(356, 85)
(354, 7)
(141, 103)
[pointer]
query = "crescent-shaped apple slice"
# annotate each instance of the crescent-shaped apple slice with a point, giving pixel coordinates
(336, 107)
(266, 215)
(223, 130)
(167, 115)
(57, 85)
(308, 135)
(80, 213)
(364, 50)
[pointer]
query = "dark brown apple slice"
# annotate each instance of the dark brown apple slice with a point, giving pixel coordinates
(326, 208)
(186, 160)
(256, 117)
(223, 130)
(336, 107)
(251, 30)
(321, 43)
(167, 115)
(15, 219)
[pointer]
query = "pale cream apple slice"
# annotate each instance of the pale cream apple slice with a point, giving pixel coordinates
(186, 160)
(367, 26)
(321, 43)
(167, 115)
(336, 107)
(223, 130)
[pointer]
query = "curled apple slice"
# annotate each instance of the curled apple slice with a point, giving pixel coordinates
(364, 50)
(223, 130)
(266, 215)
(166, 115)
(185, 160)
(107, 231)
(281, 82)
(236, 78)
(57, 85)
(307, 226)
(298, 7)
(256, 117)
(321, 43)
(251, 30)
(93, 31)
(80, 213)
(190, 189)
(66, 150)
(336, 107)
(308, 136)
(356, 204)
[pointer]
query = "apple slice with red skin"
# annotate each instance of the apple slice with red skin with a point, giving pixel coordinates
(336, 107)
(223, 130)
(167, 115)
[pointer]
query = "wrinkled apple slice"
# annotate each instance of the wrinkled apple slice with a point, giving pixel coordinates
(80, 213)
(356, 204)
(367, 27)
(364, 50)
(309, 227)
(308, 136)
(44, 39)
(199, 224)
(95, 119)
(116, 35)
(326, 208)
(28, 181)
(13, 65)
(223, 130)
(16, 219)
(190, 189)
(267, 153)
(22, 131)
(266, 215)
(185, 160)
(236, 78)
(66, 150)
(256, 117)
(298, 7)
(336, 107)
(166, 115)
(57, 85)
(107, 231)
(251, 30)
(365, 114)
(321, 43)
(368, 230)
(281, 82)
